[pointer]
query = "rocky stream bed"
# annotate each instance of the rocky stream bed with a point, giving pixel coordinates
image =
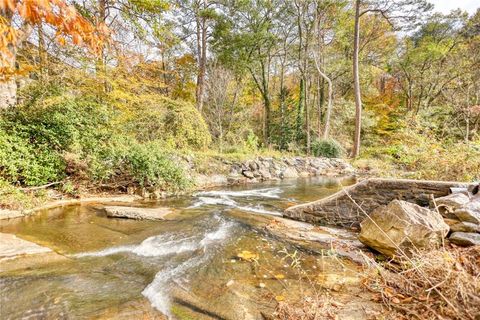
(221, 254)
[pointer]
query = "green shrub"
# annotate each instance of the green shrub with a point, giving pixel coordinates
(132, 163)
(15, 199)
(150, 166)
(81, 138)
(28, 164)
(184, 126)
(327, 148)
(252, 142)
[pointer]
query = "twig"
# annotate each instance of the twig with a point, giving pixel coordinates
(28, 189)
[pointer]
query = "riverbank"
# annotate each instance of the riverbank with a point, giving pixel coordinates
(203, 172)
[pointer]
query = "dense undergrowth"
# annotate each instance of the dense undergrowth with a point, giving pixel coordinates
(82, 139)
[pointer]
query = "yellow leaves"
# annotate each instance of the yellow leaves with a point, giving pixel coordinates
(61, 40)
(248, 256)
(388, 292)
(279, 298)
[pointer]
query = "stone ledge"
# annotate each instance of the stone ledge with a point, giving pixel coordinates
(338, 209)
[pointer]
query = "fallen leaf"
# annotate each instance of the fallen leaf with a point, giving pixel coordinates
(422, 298)
(395, 300)
(248, 256)
(337, 287)
(388, 292)
(279, 298)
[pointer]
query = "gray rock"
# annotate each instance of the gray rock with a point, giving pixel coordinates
(289, 161)
(265, 174)
(407, 226)
(304, 174)
(290, 172)
(465, 227)
(248, 174)
(137, 213)
(450, 203)
(253, 165)
(469, 212)
(465, 239)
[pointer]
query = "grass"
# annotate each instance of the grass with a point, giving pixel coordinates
(403, 288)
(13, 198)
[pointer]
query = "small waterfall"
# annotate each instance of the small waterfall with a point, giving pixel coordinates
(157, 292)
(224, 198)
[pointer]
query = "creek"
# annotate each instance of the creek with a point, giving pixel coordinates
(186, 267)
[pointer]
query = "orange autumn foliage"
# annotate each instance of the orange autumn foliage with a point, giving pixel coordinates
(67, 22)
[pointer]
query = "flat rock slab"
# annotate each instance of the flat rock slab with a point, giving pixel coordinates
(137, 213)
(465, 239)
(10, 214)
(344, 243)
(11, 246)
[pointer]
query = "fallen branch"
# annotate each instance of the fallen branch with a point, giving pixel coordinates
(29, 189)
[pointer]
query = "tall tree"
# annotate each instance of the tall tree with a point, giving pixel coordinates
(400, 14)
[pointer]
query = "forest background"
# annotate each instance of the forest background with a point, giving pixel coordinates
(110, 93)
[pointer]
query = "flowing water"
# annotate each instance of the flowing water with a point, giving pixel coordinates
(186, 267)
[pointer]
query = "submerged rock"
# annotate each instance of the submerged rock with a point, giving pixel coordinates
(137, 213)
(465, 239)
(11, 246)
(404, 225)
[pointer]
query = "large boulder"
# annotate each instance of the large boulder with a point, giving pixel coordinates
(137, 213)
(402, 225)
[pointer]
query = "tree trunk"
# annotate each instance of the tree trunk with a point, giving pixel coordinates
(8, 85)
(282, 106)
(267, 105)
(356, 83)
(307, 116)
(42, 54)
(202, 57)
(8, 93)
(101, 66)
(326, 129)
(298, 123)
(320, 102)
